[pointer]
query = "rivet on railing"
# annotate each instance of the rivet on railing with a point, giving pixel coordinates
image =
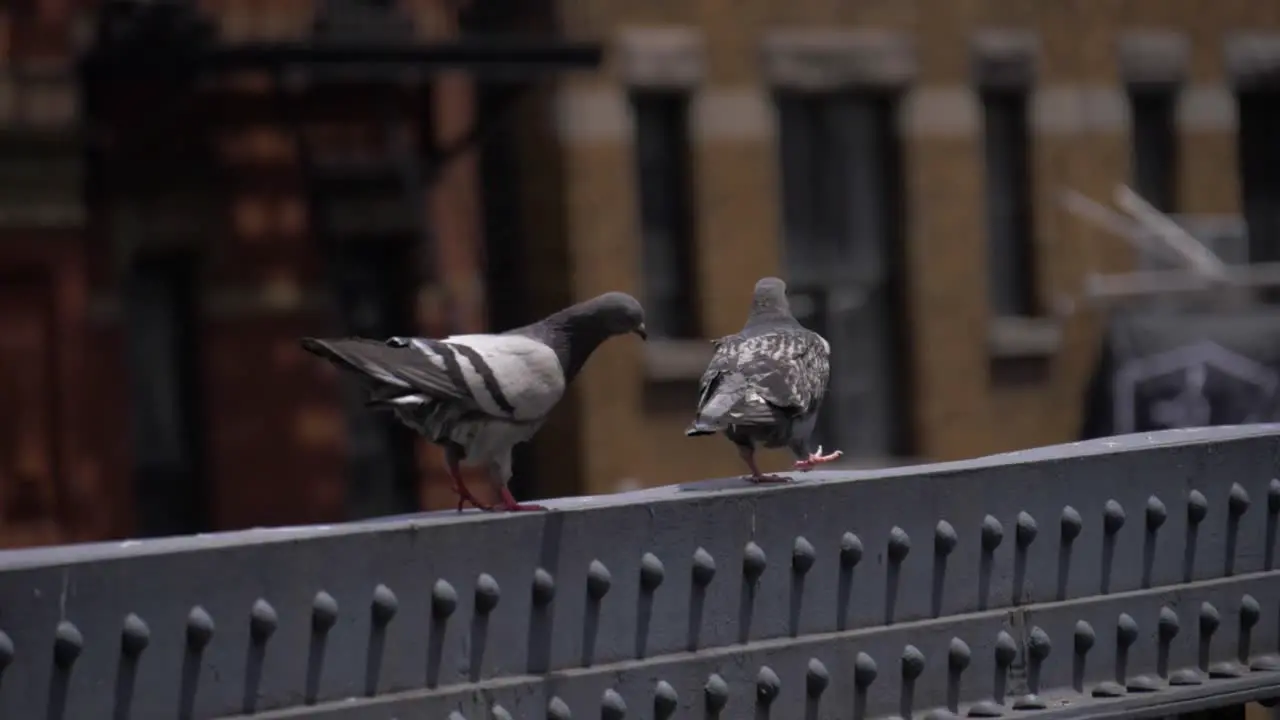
(899, 548)
(1038, 648)
(263, 621)
(715, 694)
(992, 536)
(456, 715)
(850, 556)
(1006, 652)
(652, 572)
(1197, 510)
(1167, 628)
(324, 612)
(558, 710)
(704, 567)
(665, 700)
(1126, 636)
(135, 638)
(944, 542)
(767, 686)
(1083, 640)
(1210, 620)
(1250, 613)
(864, 674)
(324, 615)
(612, 706)
(816, 678)
(959, 656)
(910, 666)
(383, 607)
(487, 594)
(1156, 516)
(444, 600)
(500, 713)
(1113, 519)
(544, 588)
(704, 571)
(899, 545)
(1273, 516)
(6, 652)
(1237, 504)
(599, 580)
(200, 629)
(1070, 525)
(67, 644)
(753, 565)
(1024, 534)
(803, 556)
(754, 562)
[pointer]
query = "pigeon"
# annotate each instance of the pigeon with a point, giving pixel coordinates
(479, 395)
(765, 384)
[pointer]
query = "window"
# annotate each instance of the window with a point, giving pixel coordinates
(1155, 145)
(666, 213)
(1259, 157)
(162, 331)
(842, 206)
(1010, 245)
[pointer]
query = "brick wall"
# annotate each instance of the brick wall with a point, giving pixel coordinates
(1081, 141)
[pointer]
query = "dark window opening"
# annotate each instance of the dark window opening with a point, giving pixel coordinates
(666, 207)
(843, 210)
(1011, 265)
(1155, 145)
(1259, 155)
(162, 321)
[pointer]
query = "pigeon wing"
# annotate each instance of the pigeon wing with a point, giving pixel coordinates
(788, 369)
(507, 377)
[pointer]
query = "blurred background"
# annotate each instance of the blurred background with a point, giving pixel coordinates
(1018, 223)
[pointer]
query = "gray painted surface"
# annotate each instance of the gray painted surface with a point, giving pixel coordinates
(959, 575)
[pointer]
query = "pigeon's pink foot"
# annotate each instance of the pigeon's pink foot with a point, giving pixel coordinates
(817, 458)
(509, 504)
(464, 494)
(767, 479)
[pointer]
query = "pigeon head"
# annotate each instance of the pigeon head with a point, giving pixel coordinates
(613, 313)
(770, 298)
(575, 332)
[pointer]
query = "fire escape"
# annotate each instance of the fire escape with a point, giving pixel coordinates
(366, 197)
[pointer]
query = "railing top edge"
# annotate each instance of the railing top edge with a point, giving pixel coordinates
(60, 555)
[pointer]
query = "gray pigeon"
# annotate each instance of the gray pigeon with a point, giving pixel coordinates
(765, 384)
(477, 396)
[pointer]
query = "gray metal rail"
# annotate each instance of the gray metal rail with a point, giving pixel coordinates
(1128, 577)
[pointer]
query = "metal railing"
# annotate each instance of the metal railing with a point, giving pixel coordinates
(1122, 577)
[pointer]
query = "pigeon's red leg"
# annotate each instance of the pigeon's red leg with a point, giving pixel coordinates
(817, 458)
(464, 495)
(748, 455)
(510, 505)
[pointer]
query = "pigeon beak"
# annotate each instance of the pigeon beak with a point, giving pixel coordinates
(644, 334)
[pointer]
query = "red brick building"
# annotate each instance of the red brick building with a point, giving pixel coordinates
(165, 238)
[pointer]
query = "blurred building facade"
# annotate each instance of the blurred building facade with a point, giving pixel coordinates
(898, 163)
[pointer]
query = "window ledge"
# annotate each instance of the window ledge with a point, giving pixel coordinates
(1024, 337)
(676, 360)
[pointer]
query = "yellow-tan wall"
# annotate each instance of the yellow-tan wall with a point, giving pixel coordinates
(957, 411)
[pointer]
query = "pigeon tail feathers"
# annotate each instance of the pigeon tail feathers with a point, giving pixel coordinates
(728, 394)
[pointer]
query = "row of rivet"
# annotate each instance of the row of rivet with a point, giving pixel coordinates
(263, 618)
(652, 572)
(959, 657)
